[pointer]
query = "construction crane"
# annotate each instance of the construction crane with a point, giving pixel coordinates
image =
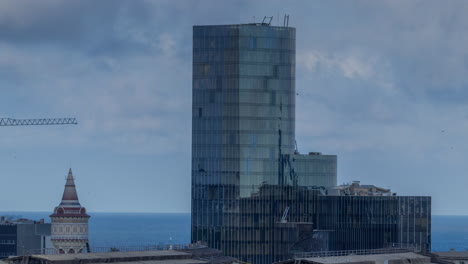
(37, 122)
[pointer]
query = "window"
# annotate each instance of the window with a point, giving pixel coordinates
(273, 98)
(212, 96)
(205, 69)
(276, 71)
(253, 43)
(219, 83)
(232, 138)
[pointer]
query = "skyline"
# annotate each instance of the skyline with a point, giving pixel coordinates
(372, 89)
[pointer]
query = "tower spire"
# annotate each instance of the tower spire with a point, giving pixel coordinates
(70, 196)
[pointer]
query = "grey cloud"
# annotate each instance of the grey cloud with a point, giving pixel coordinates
(108, 27)
(377, 81)
(421, 40)
(102, 27)
(52, 21)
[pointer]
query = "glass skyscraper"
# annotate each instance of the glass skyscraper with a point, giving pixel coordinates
(253, 195)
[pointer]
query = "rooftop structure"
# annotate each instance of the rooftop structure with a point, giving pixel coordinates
(70, 205)
(356, 189)
(5, 220)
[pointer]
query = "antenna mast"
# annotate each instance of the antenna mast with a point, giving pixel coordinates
(286, 21)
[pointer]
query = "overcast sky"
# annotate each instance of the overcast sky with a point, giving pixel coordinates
(382, 84)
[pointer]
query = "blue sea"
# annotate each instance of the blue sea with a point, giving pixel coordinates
(129, 229)
(139, 229)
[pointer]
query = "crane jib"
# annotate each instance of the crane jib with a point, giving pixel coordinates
(37, 122)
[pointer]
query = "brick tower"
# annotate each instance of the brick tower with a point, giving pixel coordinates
(70, 221)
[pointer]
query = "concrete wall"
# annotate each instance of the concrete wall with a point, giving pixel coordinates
(31, 237)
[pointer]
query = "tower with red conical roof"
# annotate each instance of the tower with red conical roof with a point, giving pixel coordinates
(70, 221)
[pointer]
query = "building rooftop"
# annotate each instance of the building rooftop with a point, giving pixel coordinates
(452, 254)
(403, 258)
(168, 261)
(186, 256)
(114, 256)
(5, 220)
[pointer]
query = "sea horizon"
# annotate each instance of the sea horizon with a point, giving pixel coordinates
(127, 229)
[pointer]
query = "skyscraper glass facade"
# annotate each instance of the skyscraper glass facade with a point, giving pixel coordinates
(243, 122)
(243, 103)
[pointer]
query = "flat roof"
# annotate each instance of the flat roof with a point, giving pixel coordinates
(246, 24)
(166, 261)
(191, 255)
(370, 258)
(452, 254)
(121, 256)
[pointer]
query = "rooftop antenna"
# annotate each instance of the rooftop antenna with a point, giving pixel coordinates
(267, 18)
(286, 20)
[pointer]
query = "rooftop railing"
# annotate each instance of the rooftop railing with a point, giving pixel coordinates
(391, 249)
(53, 251)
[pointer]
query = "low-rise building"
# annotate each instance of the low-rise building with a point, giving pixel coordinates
(309, 220)
(19, 236)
